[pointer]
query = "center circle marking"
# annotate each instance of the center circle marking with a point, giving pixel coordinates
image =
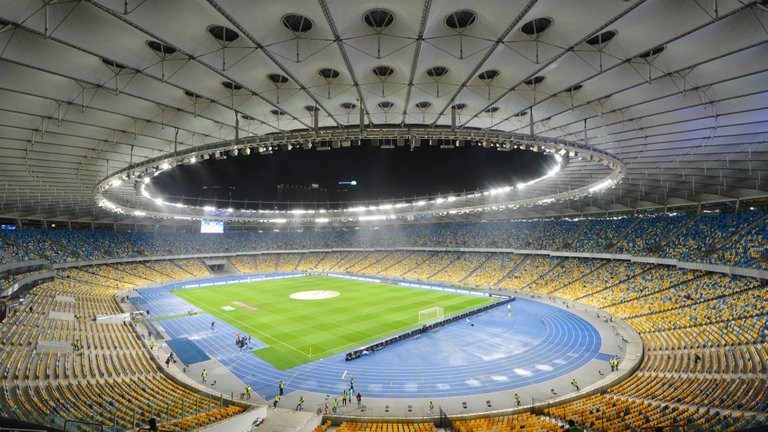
(314, 295)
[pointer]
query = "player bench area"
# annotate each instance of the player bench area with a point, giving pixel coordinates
(425, 315)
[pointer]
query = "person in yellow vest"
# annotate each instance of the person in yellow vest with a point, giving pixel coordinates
(575, 384)
(300, 406)
(431, 407)
(517, 399)
(277, 399)
(335, 405)
(204, 375)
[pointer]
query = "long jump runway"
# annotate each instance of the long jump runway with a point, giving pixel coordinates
(505, 349)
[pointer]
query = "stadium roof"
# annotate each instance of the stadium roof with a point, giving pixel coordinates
(677, 91)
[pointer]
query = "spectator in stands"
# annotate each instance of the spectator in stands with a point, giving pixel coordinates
(573, 428)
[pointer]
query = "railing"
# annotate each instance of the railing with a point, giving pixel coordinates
(33, 280)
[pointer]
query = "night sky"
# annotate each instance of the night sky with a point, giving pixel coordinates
(380, 174)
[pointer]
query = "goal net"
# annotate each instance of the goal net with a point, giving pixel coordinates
(431, 315)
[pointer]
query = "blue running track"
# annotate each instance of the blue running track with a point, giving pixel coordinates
(529, 343)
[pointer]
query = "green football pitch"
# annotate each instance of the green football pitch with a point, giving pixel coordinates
(301, 331)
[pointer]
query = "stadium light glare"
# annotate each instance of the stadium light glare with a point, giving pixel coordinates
(321, 220)
(165, 166)
(420, 203)
(440, 200)
(372, 217)
(139, 213)
(209, 208)
(279, 221)
(600, 186)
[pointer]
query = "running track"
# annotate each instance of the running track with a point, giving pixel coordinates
(529, 343)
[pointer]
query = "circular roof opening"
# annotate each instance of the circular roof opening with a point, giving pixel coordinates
(491, 110)
(277, 112)
(460, 19)
(437, 71)
(574, 88)
(459, 106)
(224, 34)
(536, 26)
(192, 94)
(521, 114)
(161, 47)
(378, 19)
(297, 23)
(535, 80)
(328, 73)
(311, 108)
(488, 75)
(247, 117)
(383, 71)
(386, 105)
(114, 64)
(652, 52)
(348, 105)
(277, 78)
(301, 176)
(423, 105)
(231, 85)
(602, 38)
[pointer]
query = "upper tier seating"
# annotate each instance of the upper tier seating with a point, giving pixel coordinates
(730, 238)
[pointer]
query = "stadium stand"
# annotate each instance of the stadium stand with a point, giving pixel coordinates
(386, 427)
(649, 232)
(529, 271)
(599, 235)
(698, 239)
(76, 368)
(460, 268)
(525, 421)
(704, 333)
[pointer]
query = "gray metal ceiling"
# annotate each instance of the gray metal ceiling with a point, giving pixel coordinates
(82, 94)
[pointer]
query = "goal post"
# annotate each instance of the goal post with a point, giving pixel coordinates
(432, 314)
